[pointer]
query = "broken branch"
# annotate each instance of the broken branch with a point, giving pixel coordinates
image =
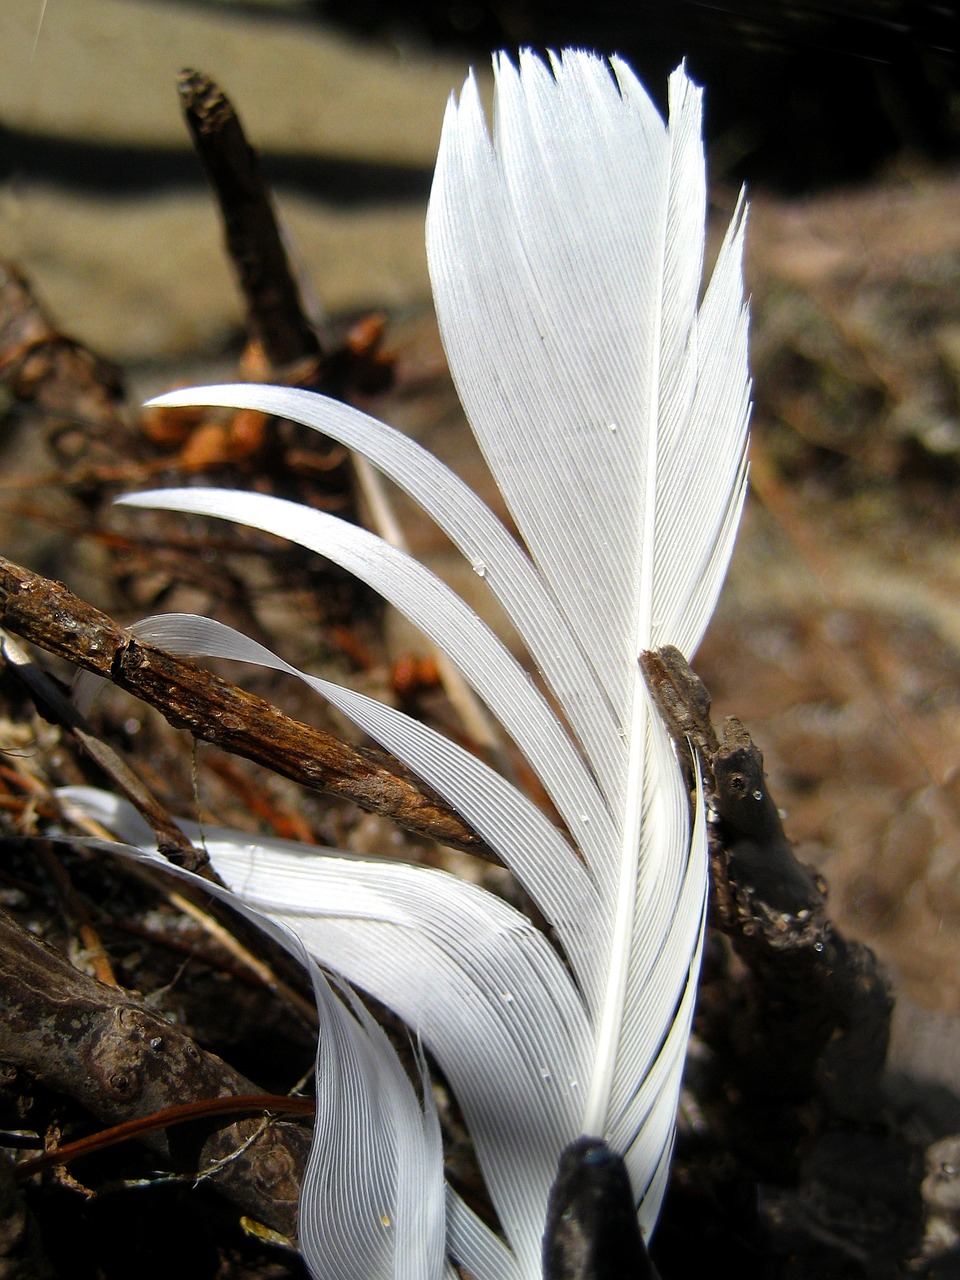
(50, 616)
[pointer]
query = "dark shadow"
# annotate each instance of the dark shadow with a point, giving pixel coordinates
(126, 170)
(801, 94)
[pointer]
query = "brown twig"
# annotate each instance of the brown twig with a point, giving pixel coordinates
(182, 1113)
(274, 309)
(51, 617)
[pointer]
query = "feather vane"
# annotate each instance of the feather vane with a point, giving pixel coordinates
(611, 405)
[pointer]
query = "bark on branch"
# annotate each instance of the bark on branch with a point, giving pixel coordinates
(274, 310)
(120, 1060)
(817, 1019)
(48, 615)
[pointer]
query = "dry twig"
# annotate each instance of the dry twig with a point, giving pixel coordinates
(51, 617)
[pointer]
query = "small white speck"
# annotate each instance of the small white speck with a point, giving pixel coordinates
(506, 997)
(480, 569)
(545, 1075)
(614, 426)
(758, 795)
(574, 1084)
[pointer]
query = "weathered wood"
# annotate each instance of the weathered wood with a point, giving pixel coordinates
(50, 616)
(275, 314)
(121, 1059)
(815, 1020)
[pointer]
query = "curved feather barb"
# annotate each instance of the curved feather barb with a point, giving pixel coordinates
(610, 396)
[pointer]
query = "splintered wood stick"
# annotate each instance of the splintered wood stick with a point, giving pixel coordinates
(50, 616)
(275, 312)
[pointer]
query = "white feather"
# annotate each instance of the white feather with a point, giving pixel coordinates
(374, 1180)
(611, 405)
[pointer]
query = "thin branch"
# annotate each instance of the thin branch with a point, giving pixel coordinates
(181, 1113)
(51, 617)
(274, 309)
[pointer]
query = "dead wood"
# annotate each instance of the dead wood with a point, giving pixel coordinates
(275, 315)
(51, 617)
(799, 1030)
(120, 1059)
(818, 1017)
(277, 322)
